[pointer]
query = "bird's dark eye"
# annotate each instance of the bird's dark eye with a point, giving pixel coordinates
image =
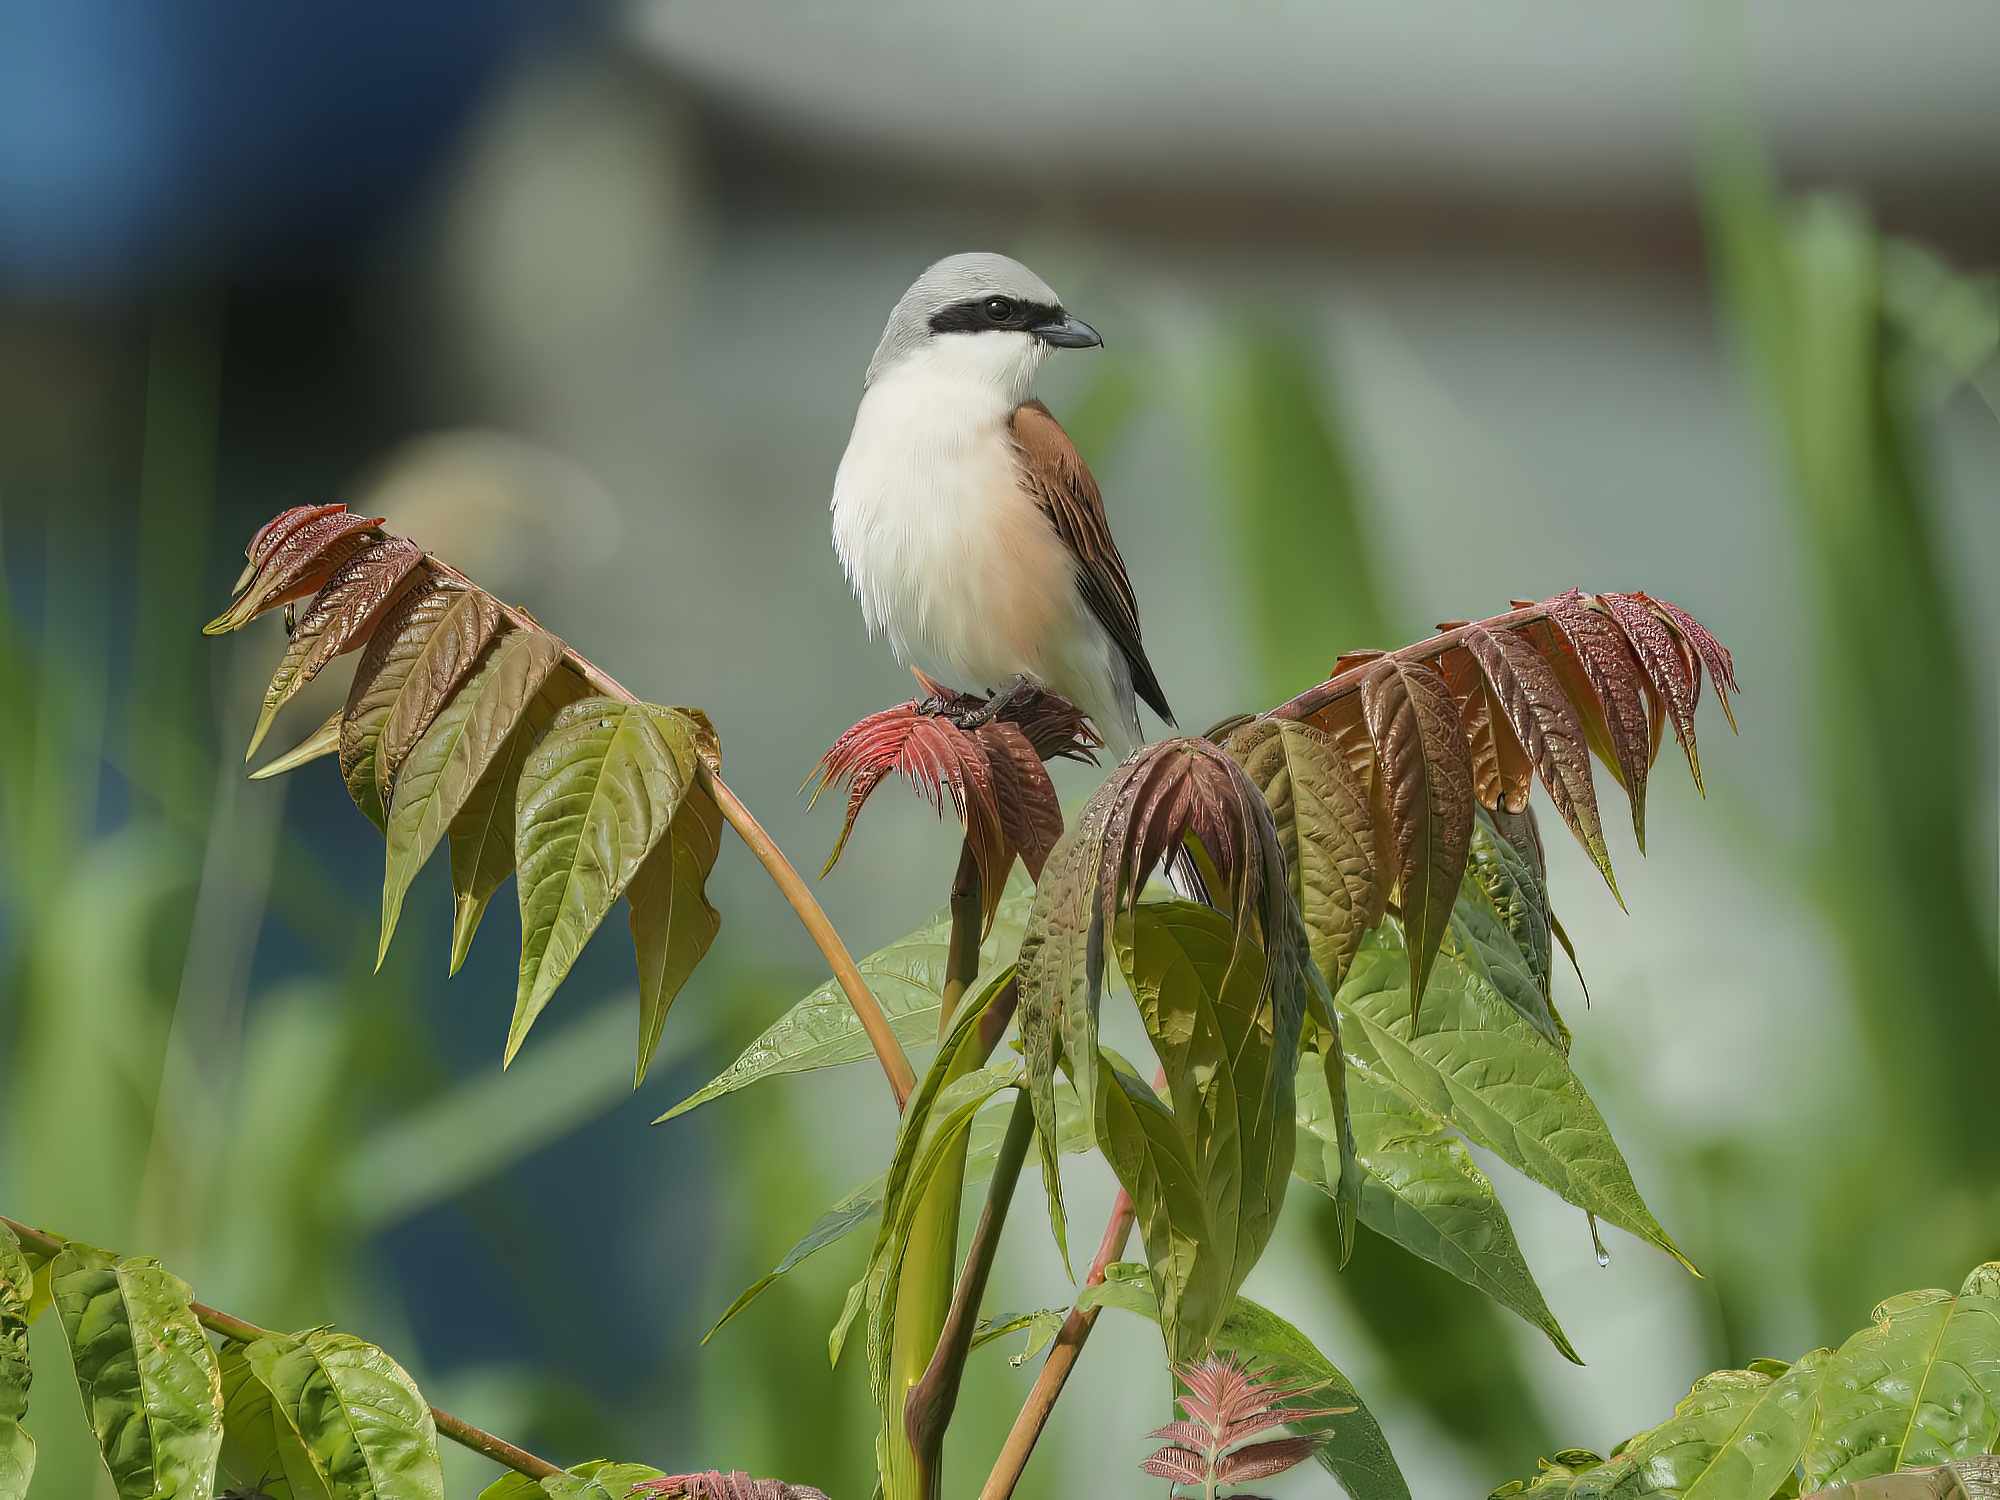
(999, 309)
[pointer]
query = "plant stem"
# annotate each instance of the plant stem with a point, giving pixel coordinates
(927, 1412)
(1062, 1359)
(925, 1282)
(456, 1428)
(895, 1062)
(888, 1051)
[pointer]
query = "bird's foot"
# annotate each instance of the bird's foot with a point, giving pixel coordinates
(994, 707)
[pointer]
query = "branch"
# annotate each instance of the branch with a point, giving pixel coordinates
(457, 1429)
(1062, 1359)
(895, 1062)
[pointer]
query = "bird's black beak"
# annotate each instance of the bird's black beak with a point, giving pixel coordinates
(1070, 333)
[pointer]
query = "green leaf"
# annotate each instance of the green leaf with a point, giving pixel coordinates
(1919, 1386)
(1478, 1065)
(598, 1479)
(455, 754)
(1321, 812)
(1358, 1456)
(672, 921)
(1756, 1455)
(1143, 1143)
(907, 979)
(17, 1292)
(482, 832)
(596, 796)
(1501, 930)
(350, 1414)
(1041, 1325)
(1422, 1190)
(1200, 984)
(1746, 1421)
(259, 1447)
(151, 1386)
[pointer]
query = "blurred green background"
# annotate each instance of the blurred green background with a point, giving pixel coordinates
(1407, 312)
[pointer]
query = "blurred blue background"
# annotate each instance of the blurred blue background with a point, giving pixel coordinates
(580, 296)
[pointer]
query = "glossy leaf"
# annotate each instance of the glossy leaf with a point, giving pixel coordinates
(151, 1386)
(1426, 774)
(1422, 1190)
(672, 921)
(292, 556)
(596, 797)
(356, 1418)
(17, 1293)
(1756, 1453)
(455, 754)
(907, 979)
(1674, 672)
(1919, 1386)
(1608, 688)
(1479, 1065)
(260, 1447)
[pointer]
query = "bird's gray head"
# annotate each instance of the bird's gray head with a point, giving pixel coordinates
(978, 295)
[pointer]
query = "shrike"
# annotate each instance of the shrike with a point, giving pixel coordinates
(971, 530)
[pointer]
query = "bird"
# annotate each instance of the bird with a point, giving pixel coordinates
(970, 528)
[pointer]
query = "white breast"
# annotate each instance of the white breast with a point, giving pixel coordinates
(950, 558)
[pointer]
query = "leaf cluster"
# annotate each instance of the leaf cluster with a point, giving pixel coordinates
(1905, 1408)
(469, 725)
(1222, 1439)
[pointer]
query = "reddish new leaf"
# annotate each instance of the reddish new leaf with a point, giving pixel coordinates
(1672, 669)
(1531, 699)
(300, 563)
(1262, 1460)
(1718, 661)
(1426, 773)
(340, 618)
(1181, 1465)
(1611, 694)
(1031, 817)
(1226, 1405)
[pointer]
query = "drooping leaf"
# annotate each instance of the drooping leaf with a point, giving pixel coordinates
(907, 979)
(1204, 995)
(1422, 1190)
(455, 754)
(1179, 798)
(672, 921)
(259, 1447)
(339, 619)
(1607, 685)
(1321, 813)
(1476, 1063)
(1426, 774)
(1501, 928)
(352, 1413)
(596, 796)
(1920, 1386)
(17, 1292)
(426, 645)
(1672, 668)
(1545, 723)
(151, 1386)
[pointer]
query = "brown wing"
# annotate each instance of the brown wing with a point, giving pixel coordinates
(1056, 474)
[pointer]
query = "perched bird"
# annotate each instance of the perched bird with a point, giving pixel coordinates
(971, 530)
